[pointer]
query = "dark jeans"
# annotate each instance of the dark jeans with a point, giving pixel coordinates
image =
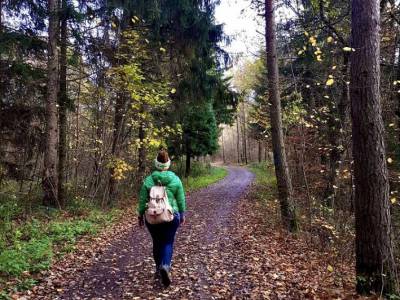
(163, 236)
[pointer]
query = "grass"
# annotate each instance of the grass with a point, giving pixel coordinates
(213, 175)
(201, 175)
(32, 238)
(265, 179)
(29, 243)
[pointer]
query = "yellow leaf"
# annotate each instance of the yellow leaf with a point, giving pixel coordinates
(113, 25)
(306, 33)
(329, 39)
(313, 40)
(173, 91)
(326, 96)
(334, 67)
(347, 49)
(318, 52)
(330, 268)
(330, 81)
(393, 200)
(162, 49)
(391, 125)
(300, 52)
(389, 160)
(319, 58)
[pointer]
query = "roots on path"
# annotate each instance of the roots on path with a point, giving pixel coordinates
(224, 251)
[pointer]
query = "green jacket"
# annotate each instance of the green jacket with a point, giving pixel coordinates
(174, 187)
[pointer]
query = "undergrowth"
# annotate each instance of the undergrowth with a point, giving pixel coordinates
(29, 242)
(201, 175)
(33, 236)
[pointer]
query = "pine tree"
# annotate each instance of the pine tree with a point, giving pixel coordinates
(374, 254)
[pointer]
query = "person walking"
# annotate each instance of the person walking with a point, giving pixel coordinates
(163, 234)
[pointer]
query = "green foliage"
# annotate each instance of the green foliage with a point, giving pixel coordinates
(264, 175)
(27, 245)
(26, 256)
(203, 176)
(201, 132)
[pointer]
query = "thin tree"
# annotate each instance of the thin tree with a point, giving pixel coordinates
(284, 183)
(374, 259)
(50, 180)
(62, 101)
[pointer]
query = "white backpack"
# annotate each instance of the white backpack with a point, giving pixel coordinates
(158, 208)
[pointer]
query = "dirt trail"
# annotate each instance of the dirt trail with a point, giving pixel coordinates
(228, 249)
(125, 270)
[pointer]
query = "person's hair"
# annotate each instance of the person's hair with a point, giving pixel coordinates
(162, 156)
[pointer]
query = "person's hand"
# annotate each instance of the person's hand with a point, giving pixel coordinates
(140, 221)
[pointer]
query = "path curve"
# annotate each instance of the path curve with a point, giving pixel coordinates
(125, 269)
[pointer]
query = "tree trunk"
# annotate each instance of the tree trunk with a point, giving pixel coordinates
(281, 167)
(223, 146)
(259, 151)
(397, 93)
(142, 153)
(374, 259)
(188, 156)
(238, 138)
(117, 133)
(62, 102)
(50, 178)
(244, 135)
(77, 135)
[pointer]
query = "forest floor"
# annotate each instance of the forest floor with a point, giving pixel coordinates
(228, 249)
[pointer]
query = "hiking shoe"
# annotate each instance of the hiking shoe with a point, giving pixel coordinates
(157, 275)
(165, 279)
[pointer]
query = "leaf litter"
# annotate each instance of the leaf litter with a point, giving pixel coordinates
(228, 249)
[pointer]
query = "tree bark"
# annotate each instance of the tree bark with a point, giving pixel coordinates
(62, 102)
(374, 259)
(281, 166)
(238, 139)
(50, 178)
(142, 152)
(188, 157)
(223, 146)
(117, 134)
(244, 135)
(397, 95)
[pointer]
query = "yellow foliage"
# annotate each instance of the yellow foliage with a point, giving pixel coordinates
(313, 41)
(330, 82)
(348, 49)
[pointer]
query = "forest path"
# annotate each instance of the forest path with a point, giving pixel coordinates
(125, 270)
(228, 249)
